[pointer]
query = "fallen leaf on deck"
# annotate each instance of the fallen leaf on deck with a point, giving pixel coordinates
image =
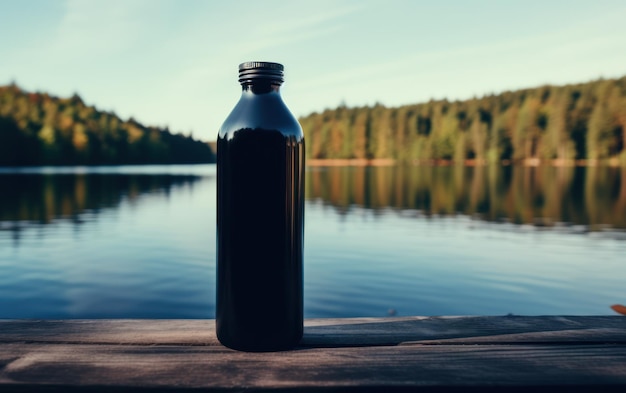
(618, 308)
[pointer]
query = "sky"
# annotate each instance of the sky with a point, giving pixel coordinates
(174, 62)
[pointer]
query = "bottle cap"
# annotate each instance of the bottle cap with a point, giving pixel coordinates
(252, 70)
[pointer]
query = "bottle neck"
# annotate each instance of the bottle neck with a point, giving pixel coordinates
(260, 87)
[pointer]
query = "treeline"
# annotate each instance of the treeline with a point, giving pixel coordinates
(40, 129)
(584, 121)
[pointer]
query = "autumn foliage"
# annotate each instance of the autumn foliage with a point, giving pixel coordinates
(585, 122)
(40, 129)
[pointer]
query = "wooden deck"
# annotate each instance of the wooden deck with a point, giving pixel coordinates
(507, 353)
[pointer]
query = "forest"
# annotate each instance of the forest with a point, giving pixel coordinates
(583, 122)
(40, 129)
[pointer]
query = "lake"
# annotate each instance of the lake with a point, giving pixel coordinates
(139, 242)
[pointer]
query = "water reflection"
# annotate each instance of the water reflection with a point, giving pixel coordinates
(594, 196)
(140, 242)
(38, 198)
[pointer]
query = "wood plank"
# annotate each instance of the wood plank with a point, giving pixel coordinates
(119, 331)
(319, 332)
(415, 353)
(216, 367)
(394, 331)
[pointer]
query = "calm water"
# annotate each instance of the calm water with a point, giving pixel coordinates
(139, 242)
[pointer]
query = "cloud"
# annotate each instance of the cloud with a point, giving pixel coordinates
(97, 28)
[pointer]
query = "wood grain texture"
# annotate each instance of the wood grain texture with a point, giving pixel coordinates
(415, 353)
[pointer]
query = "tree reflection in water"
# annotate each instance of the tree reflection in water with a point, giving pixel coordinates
(40, 199)
(544, 196)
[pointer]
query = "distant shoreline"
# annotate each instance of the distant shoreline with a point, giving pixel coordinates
(350, 162)
(378, 162)
(529, 162)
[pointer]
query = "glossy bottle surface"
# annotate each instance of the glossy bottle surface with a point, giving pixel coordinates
(260, 217)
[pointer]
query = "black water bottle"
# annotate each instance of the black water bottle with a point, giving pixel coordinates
(260, 217)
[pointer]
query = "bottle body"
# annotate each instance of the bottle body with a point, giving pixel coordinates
(260, 224)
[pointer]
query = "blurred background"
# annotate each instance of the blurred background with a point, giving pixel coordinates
(465, 157)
